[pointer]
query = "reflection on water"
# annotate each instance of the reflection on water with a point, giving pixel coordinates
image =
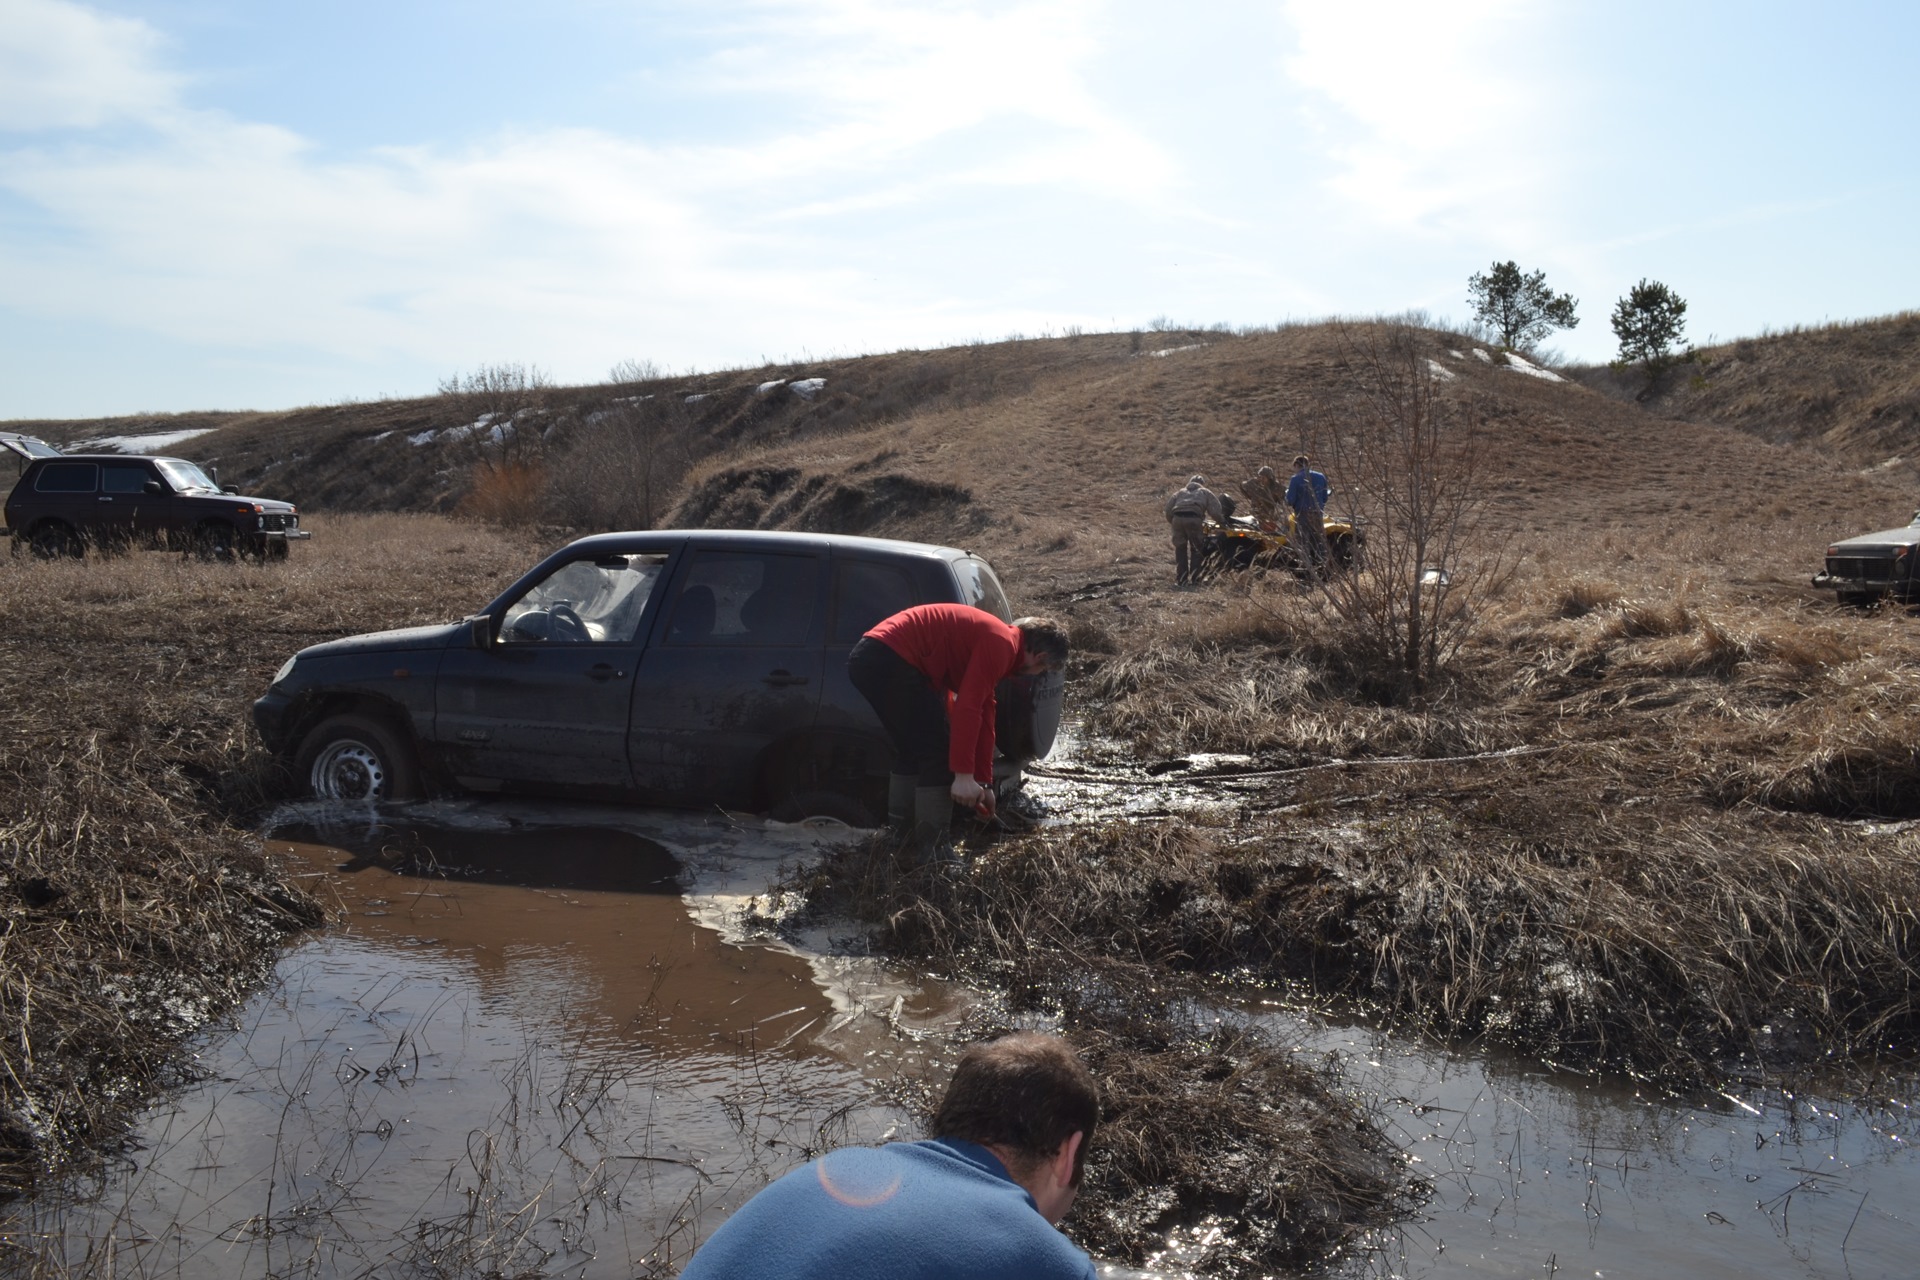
(1539, 1175)
(565, 1076)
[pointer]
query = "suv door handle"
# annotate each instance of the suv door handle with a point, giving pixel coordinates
(781, 678)
(604, 671)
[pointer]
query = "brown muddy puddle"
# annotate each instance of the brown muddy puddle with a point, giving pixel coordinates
(528, 1044)
(536, 1060)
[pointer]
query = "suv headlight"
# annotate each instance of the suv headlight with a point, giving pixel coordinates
(286, 669)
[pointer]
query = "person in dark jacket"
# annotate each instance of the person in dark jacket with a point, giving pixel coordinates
(929, 672)
(980, 1201)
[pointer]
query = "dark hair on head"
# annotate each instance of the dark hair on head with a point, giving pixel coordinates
(1300, 461)
(1044, 636)
(1025, 1094)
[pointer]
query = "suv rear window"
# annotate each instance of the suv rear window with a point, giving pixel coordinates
(66, 477)
(981, 589)
(863, 594)
(745, 598)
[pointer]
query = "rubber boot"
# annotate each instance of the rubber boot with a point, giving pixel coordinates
(900, 801)
(932, 822)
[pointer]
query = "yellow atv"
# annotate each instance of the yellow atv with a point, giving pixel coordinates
(1245, 542)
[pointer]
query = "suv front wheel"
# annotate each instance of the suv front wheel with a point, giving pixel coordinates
(354, 757)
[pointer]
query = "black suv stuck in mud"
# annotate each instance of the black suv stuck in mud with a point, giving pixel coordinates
(684, 668)
(65, 503)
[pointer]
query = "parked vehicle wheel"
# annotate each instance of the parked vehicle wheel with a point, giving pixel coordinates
(56, 541)
(798, 806)
(214, 540)
(355, 757)
(1345, 550)
(277, 549)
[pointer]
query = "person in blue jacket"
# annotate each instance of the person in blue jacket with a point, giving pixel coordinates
(979, 1201)
(1307, 494)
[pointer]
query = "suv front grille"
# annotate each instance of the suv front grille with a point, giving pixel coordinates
(279, 523)
(1875, 566)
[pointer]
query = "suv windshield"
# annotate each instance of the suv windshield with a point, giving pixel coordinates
(184, 476)
(584, 601)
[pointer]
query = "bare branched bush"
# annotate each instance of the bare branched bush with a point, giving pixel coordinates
(1416, 464)
(624, 464)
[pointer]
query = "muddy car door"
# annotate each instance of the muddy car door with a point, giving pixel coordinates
(544, 701)
(734, 668)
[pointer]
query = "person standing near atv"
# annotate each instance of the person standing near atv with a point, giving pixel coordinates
(929, 673)
(1187, 512)
(1264, 494)
(1307, 495)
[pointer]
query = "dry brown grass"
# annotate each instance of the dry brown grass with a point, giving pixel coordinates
(133, 909)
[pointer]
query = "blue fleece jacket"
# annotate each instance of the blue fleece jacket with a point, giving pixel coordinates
(940, 1210)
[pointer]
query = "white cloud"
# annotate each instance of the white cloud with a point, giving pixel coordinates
(1437, 108)
(225, 232)
(64, 66)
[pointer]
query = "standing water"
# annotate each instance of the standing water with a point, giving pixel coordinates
(522, 1049)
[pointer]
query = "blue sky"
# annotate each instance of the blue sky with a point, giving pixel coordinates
(232, 204)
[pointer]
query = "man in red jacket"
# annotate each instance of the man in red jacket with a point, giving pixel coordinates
(929, 673)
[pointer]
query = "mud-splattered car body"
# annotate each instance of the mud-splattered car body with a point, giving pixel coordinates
(1874, 566)
(685, 668)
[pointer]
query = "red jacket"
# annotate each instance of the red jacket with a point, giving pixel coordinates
(965, 651)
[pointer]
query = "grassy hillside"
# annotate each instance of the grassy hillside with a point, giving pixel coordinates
(1046, 443)
(1850, 392)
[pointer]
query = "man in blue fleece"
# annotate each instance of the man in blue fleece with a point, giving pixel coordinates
(978, 1202)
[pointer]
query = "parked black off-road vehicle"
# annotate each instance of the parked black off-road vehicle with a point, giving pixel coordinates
(685, 668)
(1874, 566)
(65, 503)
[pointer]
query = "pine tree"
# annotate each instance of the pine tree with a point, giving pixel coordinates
(1519, 307)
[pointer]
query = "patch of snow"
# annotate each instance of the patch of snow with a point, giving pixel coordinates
(1167, 351)
(141, 444)
(1440, 371)
(808, 388)
(422, 437)
(632, 399)
(698, 396)
(1518, 365)
(1457, 355)
(765, 387)
(382, 436)
(1481, 355)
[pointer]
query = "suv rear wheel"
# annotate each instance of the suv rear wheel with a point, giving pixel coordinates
(56, 541)
(355, 757)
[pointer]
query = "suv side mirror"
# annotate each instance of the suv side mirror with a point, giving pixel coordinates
(480, 631)
(154, 486)
(230, 488)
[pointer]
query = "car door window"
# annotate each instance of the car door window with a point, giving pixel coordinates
(745, 598)
(591, 601)
(120, 479)
(66, 477)
(864, 593)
